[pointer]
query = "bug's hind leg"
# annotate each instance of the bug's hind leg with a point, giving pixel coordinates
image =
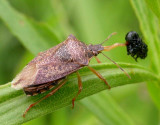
(49, 94)
(99, 75)
(79, 88)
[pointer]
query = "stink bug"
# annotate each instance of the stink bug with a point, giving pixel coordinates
(51, 67)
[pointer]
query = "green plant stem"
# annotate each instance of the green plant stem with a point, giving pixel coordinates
(13, 103)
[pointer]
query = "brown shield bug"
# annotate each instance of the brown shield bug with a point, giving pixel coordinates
(50, 68)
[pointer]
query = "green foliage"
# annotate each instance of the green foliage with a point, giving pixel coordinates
(27, 30)
(150, 28)
(101, 102)
(14, 102)
(154, 5)
(39, 27)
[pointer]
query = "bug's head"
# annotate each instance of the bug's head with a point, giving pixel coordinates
(95, 49)
(135, 45)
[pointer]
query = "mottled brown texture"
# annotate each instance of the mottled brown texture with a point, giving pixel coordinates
(55, 63)
(61, 61)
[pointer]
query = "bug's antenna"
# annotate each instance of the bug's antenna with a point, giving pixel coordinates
(108, 37)
(117, 65)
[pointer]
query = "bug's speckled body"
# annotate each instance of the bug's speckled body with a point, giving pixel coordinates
(54, 64)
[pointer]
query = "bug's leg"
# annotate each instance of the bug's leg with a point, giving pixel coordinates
(79, 88)
(49, 94)
(97, 59)
(99, 75)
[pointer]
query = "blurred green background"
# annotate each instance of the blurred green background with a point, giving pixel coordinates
(91, 21)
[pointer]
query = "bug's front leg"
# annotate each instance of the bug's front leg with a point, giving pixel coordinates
(79, 88)
(99, 75)
(98, 61)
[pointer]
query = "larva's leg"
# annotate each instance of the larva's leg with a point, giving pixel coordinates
(99, 75)
(49, 94)
(98, 61)
(79, 88)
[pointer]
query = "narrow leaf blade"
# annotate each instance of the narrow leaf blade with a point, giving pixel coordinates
(150, 28)
(106, 109)
(11, 110)
(34, 36)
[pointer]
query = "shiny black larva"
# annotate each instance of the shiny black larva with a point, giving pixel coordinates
(135, 45)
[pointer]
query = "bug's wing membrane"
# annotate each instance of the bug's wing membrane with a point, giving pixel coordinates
(35, 75)
(26, 77)
(51, 72)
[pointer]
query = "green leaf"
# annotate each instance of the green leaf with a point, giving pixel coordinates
(155, 6)
(106, 109)
(13, 103)
(154, 89)
(150, 28)
(34, 36)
